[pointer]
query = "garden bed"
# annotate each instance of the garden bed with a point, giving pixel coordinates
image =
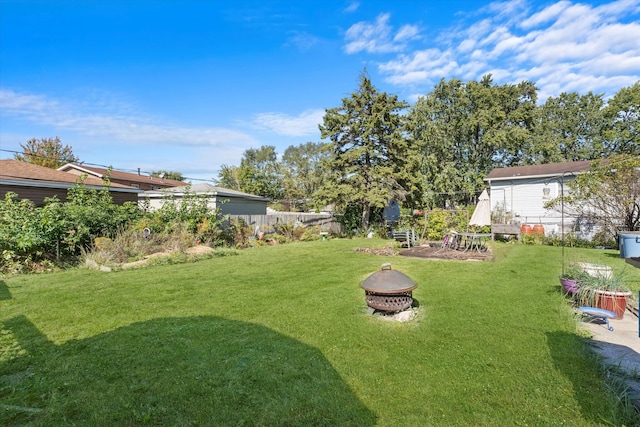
(435, 251)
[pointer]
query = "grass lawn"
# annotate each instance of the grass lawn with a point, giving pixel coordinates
(281, 336)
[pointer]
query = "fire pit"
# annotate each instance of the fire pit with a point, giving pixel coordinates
(388, 290)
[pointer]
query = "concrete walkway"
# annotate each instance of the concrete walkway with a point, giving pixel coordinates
(620, 347)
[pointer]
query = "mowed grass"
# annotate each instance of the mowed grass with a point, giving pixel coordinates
(281, 336)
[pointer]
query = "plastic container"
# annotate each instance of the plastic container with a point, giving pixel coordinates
(596, 270)
(525, 229)
(629, 244)
(538, 229)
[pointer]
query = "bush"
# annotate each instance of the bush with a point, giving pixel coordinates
(284, 229)
(309, 234)
(440, 222)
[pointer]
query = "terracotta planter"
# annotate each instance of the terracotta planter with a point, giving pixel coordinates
(569, 285)
(612, 301)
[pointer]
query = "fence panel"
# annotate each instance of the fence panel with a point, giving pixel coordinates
(265, 223)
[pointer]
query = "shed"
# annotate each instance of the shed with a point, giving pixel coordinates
(230, 202)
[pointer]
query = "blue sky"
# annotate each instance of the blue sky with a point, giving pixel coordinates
(189, 85)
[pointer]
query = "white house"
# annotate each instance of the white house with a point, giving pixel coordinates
(230, 202)
(521, 192)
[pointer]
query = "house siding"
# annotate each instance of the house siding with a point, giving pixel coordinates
(521, 191)
(524, 200)
(242, 207)
(38, 194)
(229, 202)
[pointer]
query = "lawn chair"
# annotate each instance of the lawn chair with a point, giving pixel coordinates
(408, 237)
(451, 240)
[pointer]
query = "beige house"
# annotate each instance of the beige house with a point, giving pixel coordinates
(230, 202)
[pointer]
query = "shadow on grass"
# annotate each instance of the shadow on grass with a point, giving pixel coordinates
(4, 291)
(566, 350)
(180, 371)
(612, 255)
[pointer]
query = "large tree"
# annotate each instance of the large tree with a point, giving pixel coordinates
(366, 151)
(569, 128)
(302, 173)
(622, 134)
(258, 173)
(460, 131)
(47, 152)
(229, 177)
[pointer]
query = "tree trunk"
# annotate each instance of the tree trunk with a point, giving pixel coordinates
(365, 216)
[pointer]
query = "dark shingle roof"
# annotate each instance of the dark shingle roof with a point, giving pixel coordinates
(549, 169)
(123, 176)
(15, 170)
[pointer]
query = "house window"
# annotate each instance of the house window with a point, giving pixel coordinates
(135, 185)
(546, 191)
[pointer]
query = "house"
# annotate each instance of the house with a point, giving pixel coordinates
(143, 182)
(36, 183)
(230, 202)
(518, 195)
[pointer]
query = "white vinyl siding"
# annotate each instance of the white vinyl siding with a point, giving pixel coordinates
(524, 200)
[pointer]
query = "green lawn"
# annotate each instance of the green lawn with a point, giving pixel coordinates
(281, 336)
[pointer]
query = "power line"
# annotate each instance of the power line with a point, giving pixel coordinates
(133, 171)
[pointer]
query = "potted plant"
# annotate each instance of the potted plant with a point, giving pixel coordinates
(571, 278)
(604, 291)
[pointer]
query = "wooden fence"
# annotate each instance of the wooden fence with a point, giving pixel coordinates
(326, 222)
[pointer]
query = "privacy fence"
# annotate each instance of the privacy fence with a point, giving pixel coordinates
(325, 222)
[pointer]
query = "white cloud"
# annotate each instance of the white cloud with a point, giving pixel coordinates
(563, 46)
(305, 124)
(352, 7)
(111, 132)
(378, 37)
(546, 15)
(72, 116)
(407, 32)
(422, 65)
(303, 41)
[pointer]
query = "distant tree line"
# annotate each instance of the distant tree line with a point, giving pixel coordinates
(436, 152)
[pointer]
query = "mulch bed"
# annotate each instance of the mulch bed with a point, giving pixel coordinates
(437, 252)
(429, 251)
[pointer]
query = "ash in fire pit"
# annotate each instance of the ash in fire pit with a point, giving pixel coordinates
(388, 290)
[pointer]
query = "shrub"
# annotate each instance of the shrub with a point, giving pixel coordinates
(440, 221)
(284, 229)
(310, 233)
(238, 231)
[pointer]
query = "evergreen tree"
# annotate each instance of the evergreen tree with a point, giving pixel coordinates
(366, 151)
